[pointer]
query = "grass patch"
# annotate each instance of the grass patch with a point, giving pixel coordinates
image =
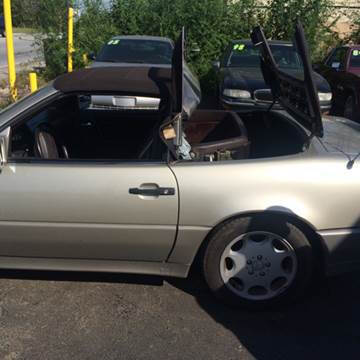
(23, 30)
(23, 86)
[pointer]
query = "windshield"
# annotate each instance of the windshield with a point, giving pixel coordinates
(136, 51)
(246, 55)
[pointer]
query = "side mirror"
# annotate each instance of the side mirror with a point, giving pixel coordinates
(216, 65)
(4, 146)
(92, 56)
(335, 65)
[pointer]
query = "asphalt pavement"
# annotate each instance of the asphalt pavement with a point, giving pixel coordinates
(25, 52)
(49, 315)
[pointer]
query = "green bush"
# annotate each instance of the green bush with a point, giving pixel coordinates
(280, 16)
(210, 25)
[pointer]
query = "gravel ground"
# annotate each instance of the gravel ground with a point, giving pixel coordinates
(97, 316)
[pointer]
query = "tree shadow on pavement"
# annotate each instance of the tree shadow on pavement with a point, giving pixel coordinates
(323, 326)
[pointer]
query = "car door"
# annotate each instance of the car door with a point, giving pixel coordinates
(334, 72)
(87, 211)
(82, 209)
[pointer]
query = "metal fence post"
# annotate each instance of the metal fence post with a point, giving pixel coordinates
(70, 38)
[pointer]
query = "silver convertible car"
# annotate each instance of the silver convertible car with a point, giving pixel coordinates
(265, 202)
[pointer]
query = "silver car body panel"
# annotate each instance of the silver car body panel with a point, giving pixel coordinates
(74, 210)
(302, 186)
(113, 266)
(66, 215)
(26, 103)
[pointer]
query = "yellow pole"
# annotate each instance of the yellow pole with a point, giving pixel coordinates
(10, 49)
(70, 38)
(85, 59)
(33, 82)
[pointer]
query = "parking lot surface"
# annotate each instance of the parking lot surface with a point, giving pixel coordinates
(26, 52)
(48, 315)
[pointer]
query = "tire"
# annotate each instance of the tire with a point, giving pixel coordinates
(272, 265)
(349, 108)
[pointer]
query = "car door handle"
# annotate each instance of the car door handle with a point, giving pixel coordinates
(161, 191)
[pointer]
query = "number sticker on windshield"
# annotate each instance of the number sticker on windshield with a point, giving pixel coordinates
(356, 52)
(113, 42)
(239, 47)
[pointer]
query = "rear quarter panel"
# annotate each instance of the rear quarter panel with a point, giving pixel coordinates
(316, 188)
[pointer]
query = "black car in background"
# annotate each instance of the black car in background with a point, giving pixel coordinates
(2, 26)
(241, 85)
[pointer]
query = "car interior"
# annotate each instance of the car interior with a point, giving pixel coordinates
(72, 128)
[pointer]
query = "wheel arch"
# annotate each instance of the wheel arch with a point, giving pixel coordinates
(315, 240)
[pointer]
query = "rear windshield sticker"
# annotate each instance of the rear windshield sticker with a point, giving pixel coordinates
(356, 52)
(239, 47)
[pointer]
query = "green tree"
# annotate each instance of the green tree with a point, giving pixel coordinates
(210, 25)
(281, 15)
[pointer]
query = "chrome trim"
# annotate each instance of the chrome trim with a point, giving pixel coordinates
(268, 91)
(107, 102)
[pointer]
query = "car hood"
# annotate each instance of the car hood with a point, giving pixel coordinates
(251, 78)
(296, 93)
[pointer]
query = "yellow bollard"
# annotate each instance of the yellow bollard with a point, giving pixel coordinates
(33, 82)
(70, 38)
(85, 59)
(10, 49)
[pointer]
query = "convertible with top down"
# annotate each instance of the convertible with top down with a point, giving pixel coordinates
(264, 201)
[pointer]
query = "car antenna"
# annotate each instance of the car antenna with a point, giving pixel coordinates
(351, 161)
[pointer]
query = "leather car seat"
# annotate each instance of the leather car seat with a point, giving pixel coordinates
(46, 146)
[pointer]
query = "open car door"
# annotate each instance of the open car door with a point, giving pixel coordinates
(186, 93)
(297, 95)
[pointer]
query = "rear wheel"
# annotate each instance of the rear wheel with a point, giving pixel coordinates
(256, 262)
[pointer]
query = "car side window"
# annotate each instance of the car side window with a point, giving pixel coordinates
(78, 127)
(337, 59)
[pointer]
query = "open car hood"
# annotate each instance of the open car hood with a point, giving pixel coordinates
(185, 89)
(297, 95)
